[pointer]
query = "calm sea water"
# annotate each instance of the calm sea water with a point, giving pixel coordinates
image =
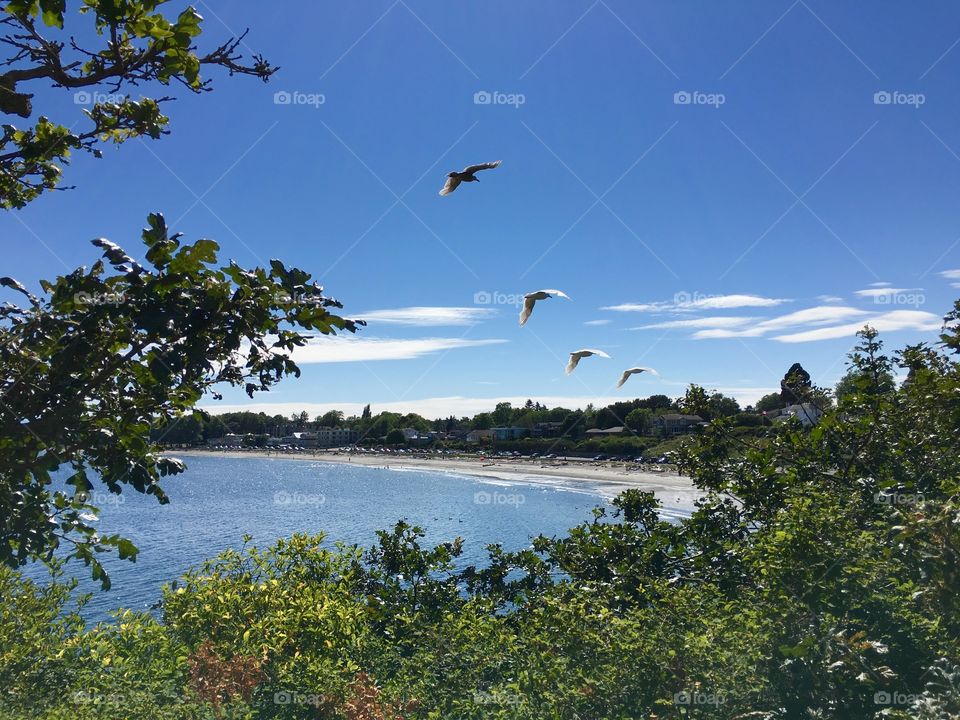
(219, 499)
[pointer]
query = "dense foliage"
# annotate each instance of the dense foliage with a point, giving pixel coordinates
(133, 44)
(818, 578)
(109, 352)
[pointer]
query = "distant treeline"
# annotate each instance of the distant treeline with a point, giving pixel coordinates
(637, 415)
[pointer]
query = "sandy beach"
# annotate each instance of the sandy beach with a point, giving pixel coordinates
(605, 478)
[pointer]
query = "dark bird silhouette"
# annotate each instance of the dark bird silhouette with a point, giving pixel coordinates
(466, 175)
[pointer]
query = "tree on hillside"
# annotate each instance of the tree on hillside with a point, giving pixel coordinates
(696, 402)
(395, 437)
(135, 46)
(366, 414)
(502, 413)
(640, 420)
(796, 387)
(723, 406)
(331, 418)
(770, 402)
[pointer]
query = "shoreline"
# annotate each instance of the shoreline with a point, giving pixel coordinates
(606, 479)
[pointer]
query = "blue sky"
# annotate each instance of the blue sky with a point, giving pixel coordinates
(722, 189)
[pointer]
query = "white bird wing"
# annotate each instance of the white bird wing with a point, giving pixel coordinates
(482, 166)
(586, 352)
(633, 371)
(558, 293)
(450, 185)
(528, 304)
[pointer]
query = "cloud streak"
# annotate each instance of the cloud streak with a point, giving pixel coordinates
(885, 322)
(682, 302)
(428, 316)
(347, 349)
(820, 315)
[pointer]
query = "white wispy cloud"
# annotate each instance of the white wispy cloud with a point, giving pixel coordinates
(717, 321)
(684, 302)
(829, 299)
(885, 291)
(815, 316)
(884, 322)
(951, 275)
(598, 322)
(368, 349)
(429, 316)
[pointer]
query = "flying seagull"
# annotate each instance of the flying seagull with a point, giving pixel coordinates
(466, 175)
(633, 371)
(575, 357)
(530, 299)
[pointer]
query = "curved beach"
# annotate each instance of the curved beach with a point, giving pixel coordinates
(604, 478)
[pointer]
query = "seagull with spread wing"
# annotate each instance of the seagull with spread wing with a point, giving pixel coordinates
(466, 175)
(576, 357)
(633, 371)
(530, 299)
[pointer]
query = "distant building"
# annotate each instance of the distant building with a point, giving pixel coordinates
(336, 437)
(546, 429)
(509, 433)
(475, 436)
(807, 413)
(675, 423)
(607, 432)
(228, 440)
